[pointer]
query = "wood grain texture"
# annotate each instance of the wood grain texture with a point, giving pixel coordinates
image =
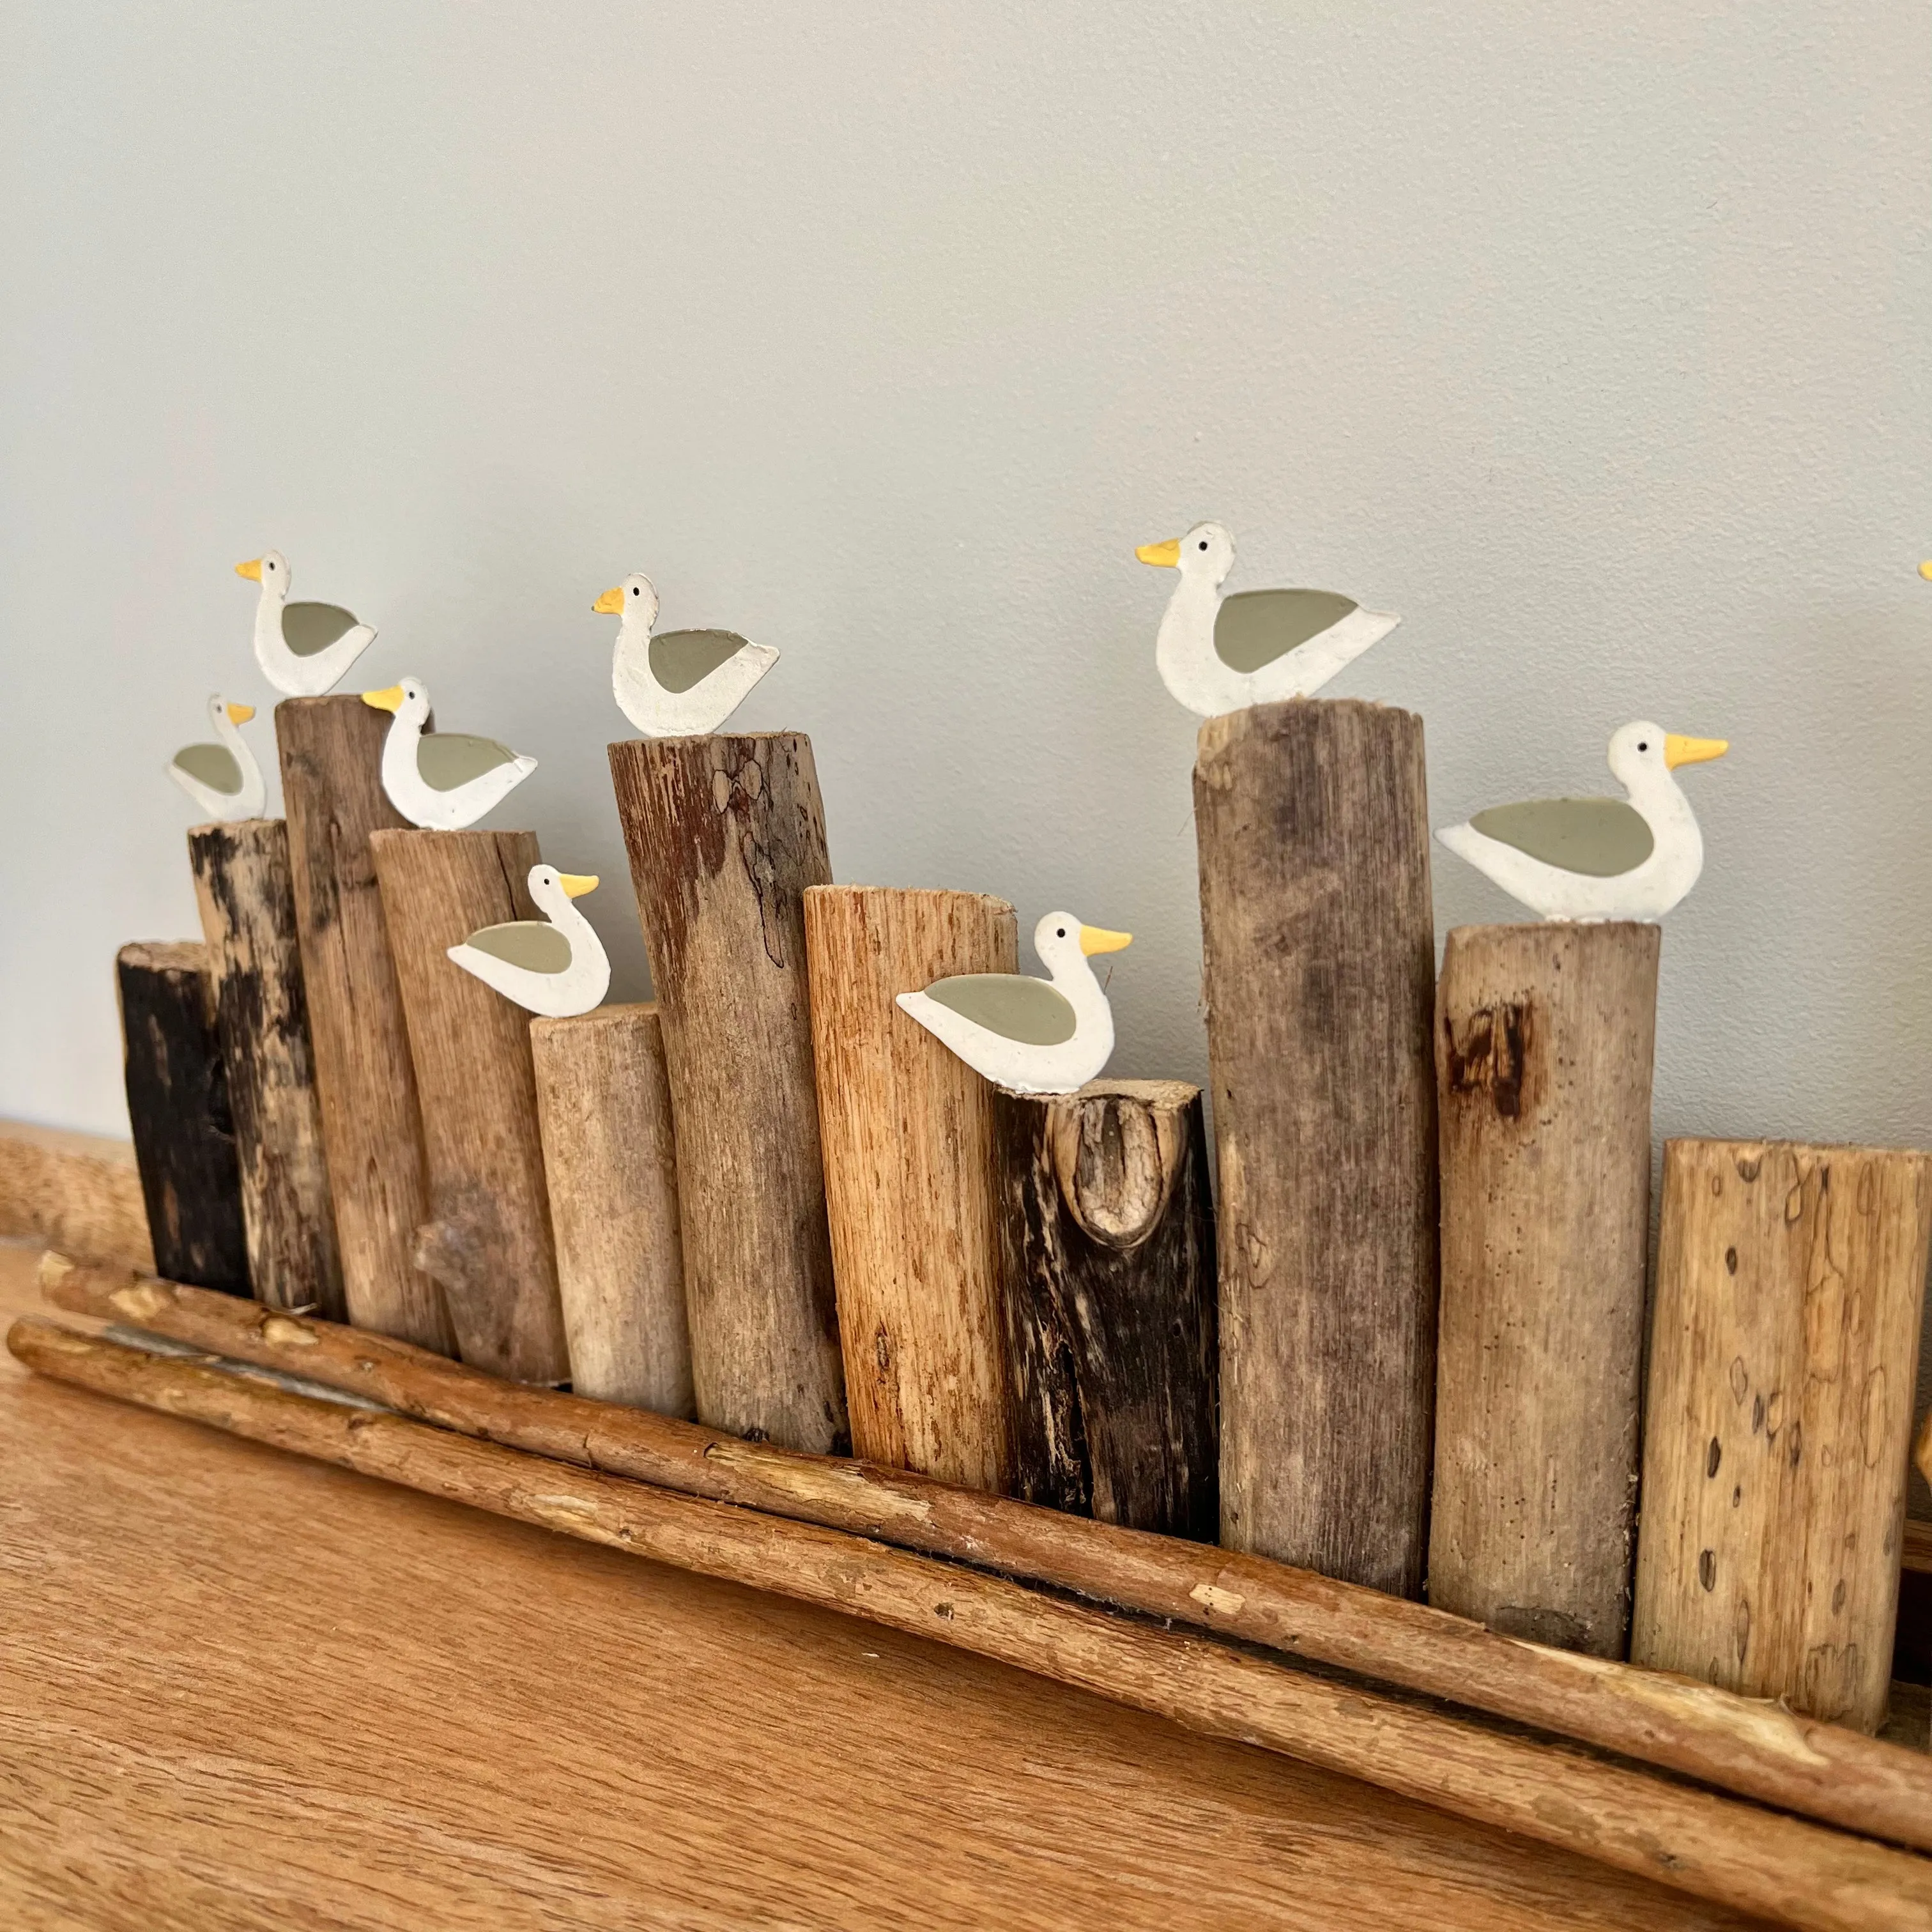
(1319, 980)
(332, 752)
(610, 1159)
(908, 1139)
(637, 1746)
(1783, 1354)
(1715, 1849)
(1544, 1038)
(487, 1237)
(1757, 1750)
(78, 1191)
(178, 1108)
(247, 898)
(724, 834)
(1108, 1283)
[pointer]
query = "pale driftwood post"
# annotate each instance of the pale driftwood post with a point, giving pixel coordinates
(1544, 1037)
(247, 898)
(1784, 1346)
(724, 834)
(908, 1137)
(486, 1239)
(1320, 980)
(177, 1112)
(604, 1106)
(1107, 1274)
(332, 751)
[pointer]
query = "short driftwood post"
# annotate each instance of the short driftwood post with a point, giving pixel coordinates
(1107, 1247)
(1784, 1344)
(486, 1239)
(247, 907)
(332, 751)
(604, 1106)
(178, 1110)
(1320, 981)
(1544, 1038)
(909, 1174)
(724, 834)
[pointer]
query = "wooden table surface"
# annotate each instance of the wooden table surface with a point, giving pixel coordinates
(242, 1689)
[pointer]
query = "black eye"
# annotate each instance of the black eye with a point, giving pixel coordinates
(633, 590)
(1203, 543)
(1642, 746)
(1061, 933)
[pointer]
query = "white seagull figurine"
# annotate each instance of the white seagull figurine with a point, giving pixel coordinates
(1599, 858)
(223, 779)
(1030, 1036)
(1220, 654)
(556, 965)
(441, 780)
(305, 649)
(678, 684)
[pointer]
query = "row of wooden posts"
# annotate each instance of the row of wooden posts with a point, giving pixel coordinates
(772, 1200)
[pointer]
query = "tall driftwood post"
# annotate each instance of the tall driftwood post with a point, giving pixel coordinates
(604, 1105)
(1319, 977)
(247, 898)
(178, 1112)
(1784, 1347)
(1107, 1274)
(1544, 1038)
(332, 751)
(487, 1237)
(724, 834)
(909, 1174)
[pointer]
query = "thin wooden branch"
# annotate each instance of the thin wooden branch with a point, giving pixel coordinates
(76, 1191)
(1758, 1749)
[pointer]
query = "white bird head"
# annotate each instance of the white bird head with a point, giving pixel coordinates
(409, 700)
(1062, 941)
(551, 889)
(234, 714)
(270, 570)
(1642, 755)
(635, 601)
(1206, 553)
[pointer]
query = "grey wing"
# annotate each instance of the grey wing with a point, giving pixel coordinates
(1010, 1004)
(214, 765)
(1253, 627)
(681, 658)
(1599, 838)
(447, 759)
(309, 629)
(534, 944)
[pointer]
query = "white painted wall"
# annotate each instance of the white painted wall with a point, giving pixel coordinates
(1593, 340)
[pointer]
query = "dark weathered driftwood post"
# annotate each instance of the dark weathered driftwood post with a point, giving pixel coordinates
(724, 834)
(1784, 1344)
(332, 751)
(248, 904)
(178, 1111)
(1544, 1038)
(487, 1238)
(1107, 1253)
(1320, 981)
(909, 1174)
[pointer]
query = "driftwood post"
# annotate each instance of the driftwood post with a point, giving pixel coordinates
(724, 834)
(1319, 976)
(909, 1172)
(332, 751)
(247, 905)
(179, 1113)
(1784, 1345)
(604, 1106)
(1544, 1038)
(1107, 1251)
(486, 1239)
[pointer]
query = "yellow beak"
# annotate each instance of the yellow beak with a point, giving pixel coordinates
(1925, 569)
(1681, 751)
(240, 714)
(252, 568)
(576, 884)
(611, 604)
(391, 700)
(1097, 939)
(1167, 554)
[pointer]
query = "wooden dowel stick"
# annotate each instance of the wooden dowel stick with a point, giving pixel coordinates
(178, 1110)
(247, 898)
(1713, 1847)
(604, 1107)
(1319, 959)
(487, 1239)
(1107, 1251)
(332, 751)
(1755, 1749)
(1784, 1349)
(724, 834)
(908, 1132)
(1543, 1043)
